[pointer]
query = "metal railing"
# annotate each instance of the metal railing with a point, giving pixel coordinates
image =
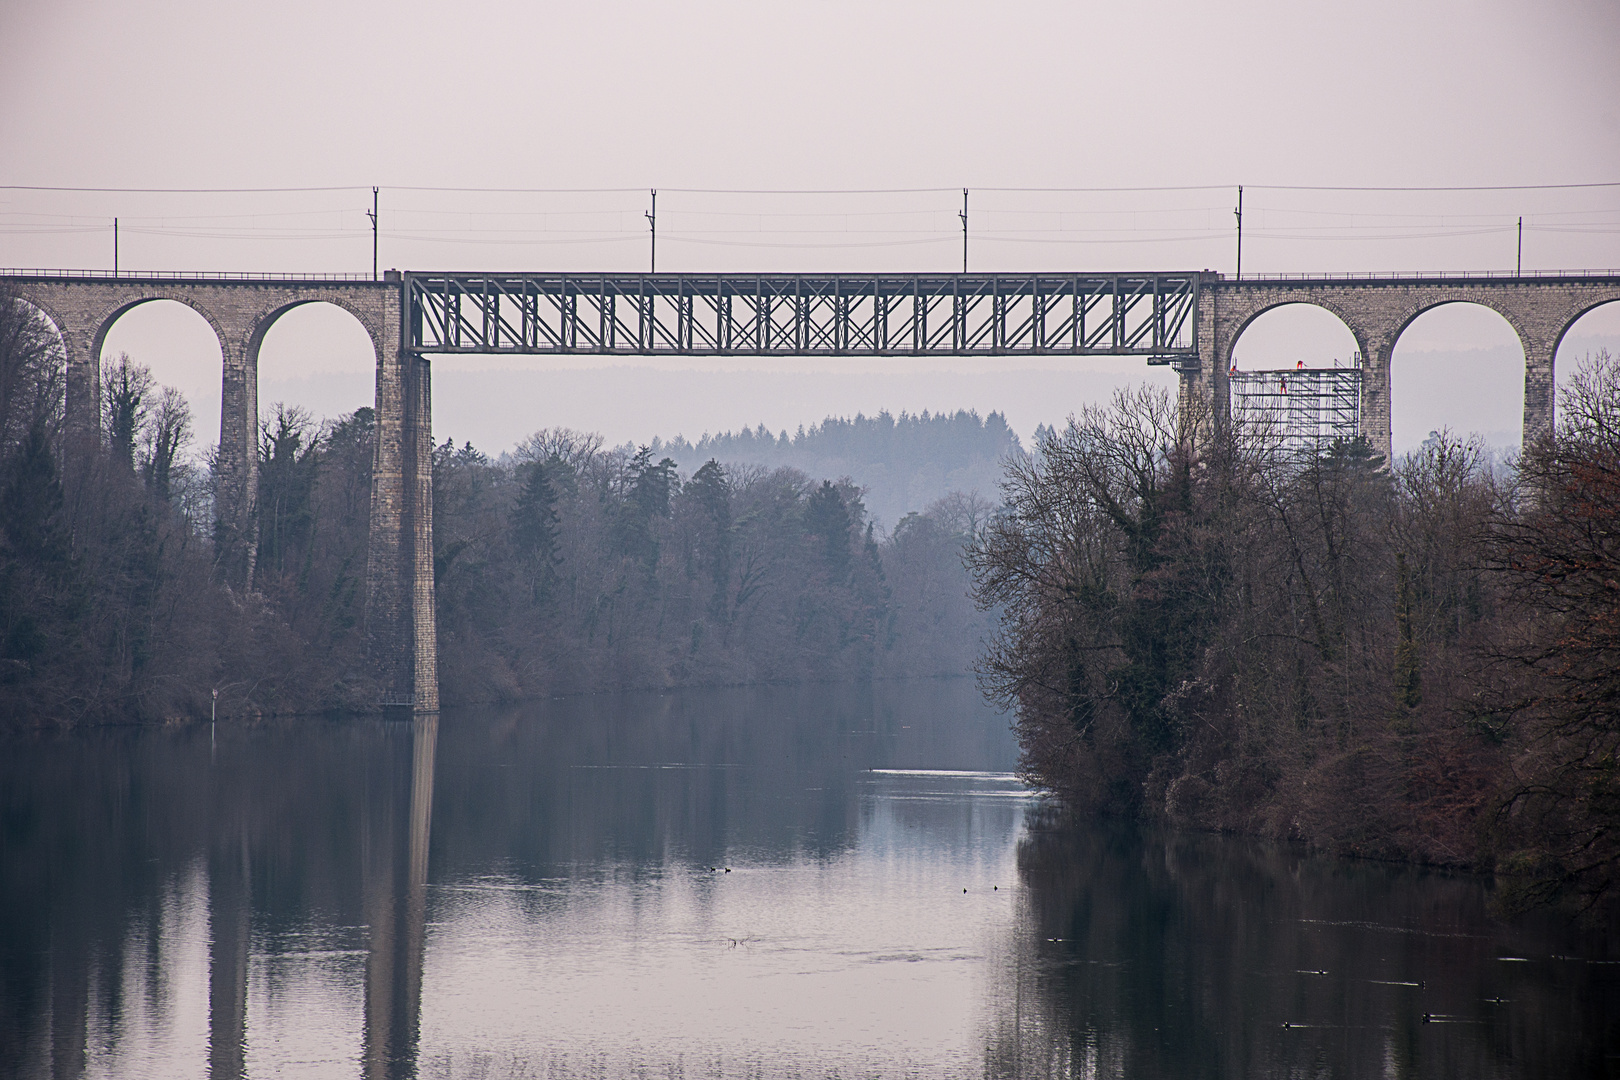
(1419, 275)
(1150, 315)
(176, 275)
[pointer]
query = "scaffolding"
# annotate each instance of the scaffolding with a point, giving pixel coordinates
(1298, 411)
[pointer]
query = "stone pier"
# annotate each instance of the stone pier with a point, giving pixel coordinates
(400, 621)
(400, 628)
(1377, 310)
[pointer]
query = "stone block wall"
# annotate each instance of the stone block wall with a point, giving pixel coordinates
(1377, 311)
(400, 626)
(400, 618)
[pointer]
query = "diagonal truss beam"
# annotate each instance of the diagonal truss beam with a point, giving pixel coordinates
(1146, 315)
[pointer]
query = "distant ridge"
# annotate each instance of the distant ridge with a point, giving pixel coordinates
(904, 462)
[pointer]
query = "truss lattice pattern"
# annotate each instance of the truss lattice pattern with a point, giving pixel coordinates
(1300, 411)
(1149, 315)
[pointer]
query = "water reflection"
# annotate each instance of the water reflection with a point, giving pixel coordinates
(396, 869)
(792, 881)
(1176, 956)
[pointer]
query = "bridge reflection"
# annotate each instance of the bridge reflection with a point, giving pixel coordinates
(395, 828)
(396, 867)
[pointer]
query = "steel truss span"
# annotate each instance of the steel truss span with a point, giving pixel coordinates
(1144, 315)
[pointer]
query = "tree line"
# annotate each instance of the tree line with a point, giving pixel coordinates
(1417, 659)
(903, 463)
(565, 566)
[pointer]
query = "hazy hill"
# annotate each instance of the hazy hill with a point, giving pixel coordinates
(905, 463)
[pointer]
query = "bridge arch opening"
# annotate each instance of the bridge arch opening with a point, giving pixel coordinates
(1595, 330)
(1288, 334)
(316, 367)
(316, 356)
(1457, 366)
(22, 402)
(182, 350)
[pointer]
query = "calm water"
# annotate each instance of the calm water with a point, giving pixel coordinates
(806, 882)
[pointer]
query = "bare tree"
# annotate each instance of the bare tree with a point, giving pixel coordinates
(166, 432)
(1559, 653)
(126, 391)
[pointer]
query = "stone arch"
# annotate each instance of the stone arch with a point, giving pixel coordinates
(105, 321)
(1575, 315)
(82, 394)
(1478, 298)
(100, 325)
(27, 308)
(270, 313)
(265, 319)
(1468, 399)
(43, 311)
(1247, 319)
(45, 308)
(237, 496)
(182, 341)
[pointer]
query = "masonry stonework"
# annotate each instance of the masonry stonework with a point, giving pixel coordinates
(400, 603)
(400, 628)
(1540, 309)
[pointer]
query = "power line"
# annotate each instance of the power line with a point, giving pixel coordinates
(801, 191)
(1477, 187)
(813, 191)
(179, 191)
(525, 190)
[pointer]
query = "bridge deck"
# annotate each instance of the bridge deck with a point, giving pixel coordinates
(1146, 315)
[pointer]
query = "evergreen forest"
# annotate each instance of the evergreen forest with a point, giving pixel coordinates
(1193, 624)
(903, 464)
(562, 567)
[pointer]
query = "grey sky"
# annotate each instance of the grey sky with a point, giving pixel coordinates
(810, 95)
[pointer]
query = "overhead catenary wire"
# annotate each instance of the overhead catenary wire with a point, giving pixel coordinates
(811, 191)
(870, 222)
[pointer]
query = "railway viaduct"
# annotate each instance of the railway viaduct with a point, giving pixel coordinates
(1189, 320)
(1377, 309)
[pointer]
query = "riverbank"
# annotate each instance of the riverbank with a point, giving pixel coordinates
(1410, 660)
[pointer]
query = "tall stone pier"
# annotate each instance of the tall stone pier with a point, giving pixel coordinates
(1140, 315)
(400, 606)
(399, 621)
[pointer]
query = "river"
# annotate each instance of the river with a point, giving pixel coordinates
(798, 882)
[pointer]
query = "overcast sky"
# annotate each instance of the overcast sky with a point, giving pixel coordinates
(614, 99)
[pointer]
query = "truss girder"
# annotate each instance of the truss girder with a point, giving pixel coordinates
(1147, 315)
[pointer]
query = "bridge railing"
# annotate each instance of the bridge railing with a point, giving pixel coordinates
(1423, 275)
(1148, 315)
(175, 275)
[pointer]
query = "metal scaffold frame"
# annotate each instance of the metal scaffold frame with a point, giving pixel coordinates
(1297, 410)
(1144, 315)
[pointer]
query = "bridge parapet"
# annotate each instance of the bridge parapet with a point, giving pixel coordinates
(1191, 320)
(241, 309)
(1377, 310)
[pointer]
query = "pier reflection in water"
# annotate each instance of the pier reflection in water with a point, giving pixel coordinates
(544, 891)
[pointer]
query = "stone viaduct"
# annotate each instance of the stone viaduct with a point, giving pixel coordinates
(399, 618)
(1377, 309)
(400, 614)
